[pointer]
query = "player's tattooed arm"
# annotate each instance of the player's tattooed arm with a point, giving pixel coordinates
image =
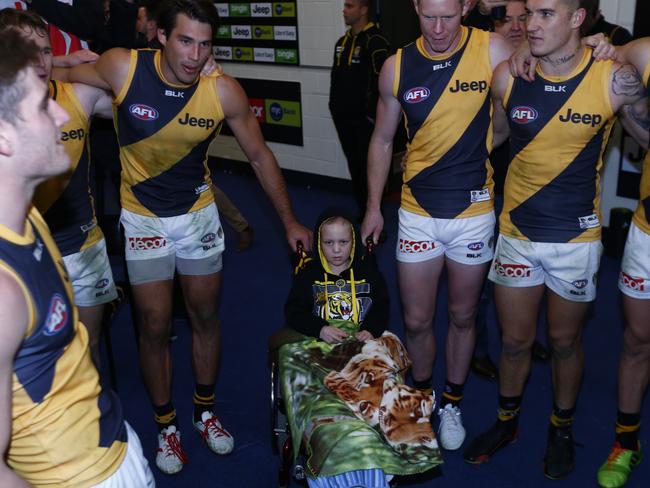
(636, 120)
(626, 82)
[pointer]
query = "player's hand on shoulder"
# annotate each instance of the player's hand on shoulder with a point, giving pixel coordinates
(212, 68)
(523, 63)
(603, 48)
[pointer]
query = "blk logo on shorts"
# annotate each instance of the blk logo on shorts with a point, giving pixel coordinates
(146, 243)
(512, 270)
(414, 247)
(57, 317)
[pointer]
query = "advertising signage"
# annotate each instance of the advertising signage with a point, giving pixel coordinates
(258, 32)
(280, 117)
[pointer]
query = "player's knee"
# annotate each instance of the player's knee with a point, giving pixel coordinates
(516, 348)
(203, 317)
(461, 319)
(416, 324)
(564, 347)
(636, 341)
(154, 329)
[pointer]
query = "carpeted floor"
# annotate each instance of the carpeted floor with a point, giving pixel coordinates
(255, 285)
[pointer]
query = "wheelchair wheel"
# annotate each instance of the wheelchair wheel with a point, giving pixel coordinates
(279, 425)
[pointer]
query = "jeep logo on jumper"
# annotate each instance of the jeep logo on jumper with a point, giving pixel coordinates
(143, 112)
(197, 122)
(593, 120)
(72, 135)
(466, 86)
(417, 95)
(523, 115)
(57, 316)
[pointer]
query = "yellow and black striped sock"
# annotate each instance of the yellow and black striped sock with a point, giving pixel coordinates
(562, 418)
(164, 415)
(627, 430)
(203, 400)
(453, 394)
(423, 385)
(508, 411)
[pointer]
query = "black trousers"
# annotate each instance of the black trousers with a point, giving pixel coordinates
(354, 134)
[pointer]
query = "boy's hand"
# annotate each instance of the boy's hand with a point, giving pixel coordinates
(363, 336)
(332, 335)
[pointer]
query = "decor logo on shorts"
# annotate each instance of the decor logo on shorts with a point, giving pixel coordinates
(146, 243)
(636, 284)
(512, 270)
(415, 247)
(57, 316)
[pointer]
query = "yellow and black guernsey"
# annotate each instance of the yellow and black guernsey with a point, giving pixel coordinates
(446, 103)
(642, 215)
(66, 430)
(559, 128)
(164, 131)
(65, 200)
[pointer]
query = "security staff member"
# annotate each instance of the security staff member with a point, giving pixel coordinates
(358, 58)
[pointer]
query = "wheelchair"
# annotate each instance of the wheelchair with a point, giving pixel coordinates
(281, 439)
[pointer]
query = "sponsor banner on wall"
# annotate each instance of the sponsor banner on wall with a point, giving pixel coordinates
(277, 107)
(268, 31)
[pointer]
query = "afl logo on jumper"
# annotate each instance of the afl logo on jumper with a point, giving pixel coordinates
(143, 112)
(523, 115)
(417, 95)
(57, 317)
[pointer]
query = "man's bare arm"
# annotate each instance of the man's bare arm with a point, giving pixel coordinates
(500, 125)
(635, 119)
(108, 73)
(94, 101)
(13, 317)
(380, 151)
(500, 49)
(629, 100)
(247, 132)
(636, 53)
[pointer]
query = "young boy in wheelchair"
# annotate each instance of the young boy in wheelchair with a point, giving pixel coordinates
(342, 384)
(342, 294)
